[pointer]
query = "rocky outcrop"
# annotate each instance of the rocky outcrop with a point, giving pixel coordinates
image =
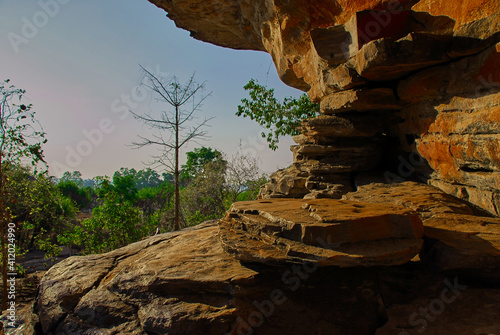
(427, 70)
(408, 90)
(298, 266)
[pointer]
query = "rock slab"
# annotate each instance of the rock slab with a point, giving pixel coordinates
(324, 231)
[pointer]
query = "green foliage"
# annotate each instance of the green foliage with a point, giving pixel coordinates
(36, 204)
(203, 198)
(75, 177)
(155, 199)
(131, 205)
(217, 185)
(20, 270)
(142, 178)
(280, 118)
(114, 224)
(252, 188)
(124, 186)
(21, 135)
(197, 159)
(46, 245)
(21, 139)
(125, 213)
(82, 196)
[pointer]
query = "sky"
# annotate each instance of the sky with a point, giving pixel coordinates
(79, 62)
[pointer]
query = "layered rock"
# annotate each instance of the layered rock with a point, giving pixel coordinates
(146, 287)
(428, 69)
(458, 131)
(286, 266)
(329, 150)
(464, 244)
(322, 231)
(457, 241)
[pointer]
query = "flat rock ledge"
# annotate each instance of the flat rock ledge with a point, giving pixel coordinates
(324, 231)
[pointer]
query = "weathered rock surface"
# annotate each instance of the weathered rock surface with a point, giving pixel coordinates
(184, 283)
(466, 244)
(428, 69)
(145, 288)
(360, 101)
(286, 183)
(324, 231)
(458, 109)
(457, 241)
(426, 200)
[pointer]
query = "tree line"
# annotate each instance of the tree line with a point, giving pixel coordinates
(106, 213)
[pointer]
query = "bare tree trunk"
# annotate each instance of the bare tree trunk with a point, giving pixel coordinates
(176, 172)
(176, 95)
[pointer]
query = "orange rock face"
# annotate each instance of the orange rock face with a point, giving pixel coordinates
(301, 35)
(429, 70)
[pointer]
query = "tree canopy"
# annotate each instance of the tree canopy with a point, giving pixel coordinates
(280, 118)
(197, 159)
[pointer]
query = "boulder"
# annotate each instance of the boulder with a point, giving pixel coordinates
(285, 183)
(324, 231)
(144, 288)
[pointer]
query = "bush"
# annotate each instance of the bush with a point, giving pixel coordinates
(37, 206)
(114, 224)
(82, 196)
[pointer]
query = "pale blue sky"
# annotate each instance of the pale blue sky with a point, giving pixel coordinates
(79, 61)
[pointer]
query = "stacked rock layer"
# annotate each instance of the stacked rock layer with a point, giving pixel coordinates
(292, 266)
(404, 86)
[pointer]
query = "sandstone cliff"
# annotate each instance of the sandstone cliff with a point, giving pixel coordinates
(404, 85)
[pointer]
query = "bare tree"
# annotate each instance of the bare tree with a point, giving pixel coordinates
(173, 128)
(243, 175)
